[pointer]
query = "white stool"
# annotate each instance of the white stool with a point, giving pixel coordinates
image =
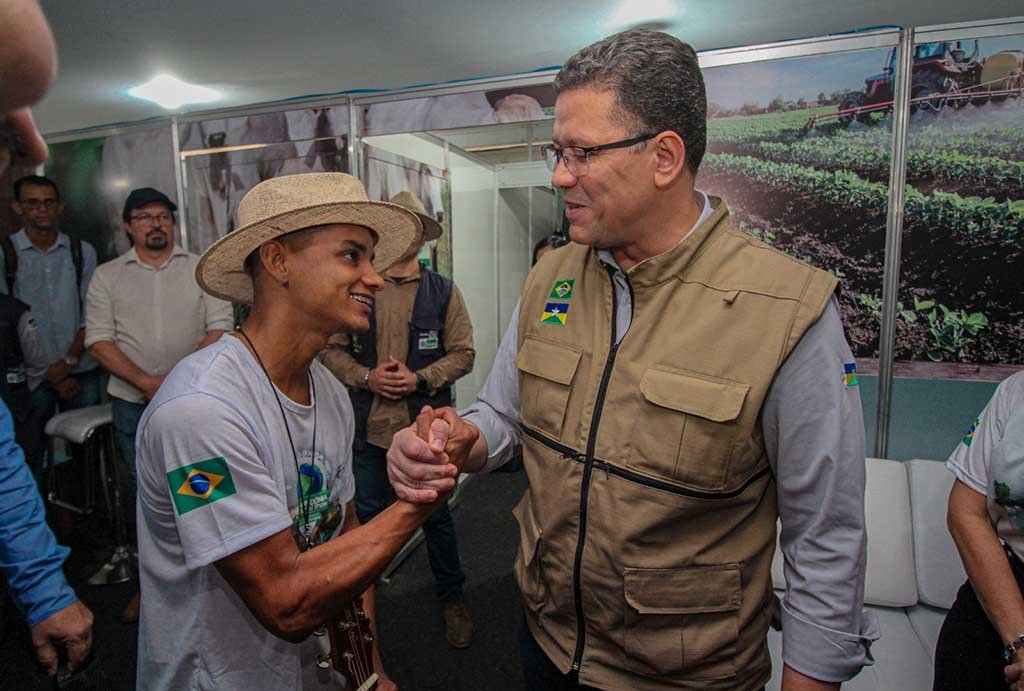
(92, 429)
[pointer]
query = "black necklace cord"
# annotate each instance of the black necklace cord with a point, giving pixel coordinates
(304, 499)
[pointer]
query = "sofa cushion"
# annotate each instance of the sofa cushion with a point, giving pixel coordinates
(940, 572)
(926, 622)
(901, 661)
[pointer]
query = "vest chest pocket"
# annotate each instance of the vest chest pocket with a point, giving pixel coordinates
(426, 334)
(546, 373)
(683, 429)
(683, 622)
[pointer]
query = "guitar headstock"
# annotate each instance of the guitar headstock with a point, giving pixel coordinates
(351, 638)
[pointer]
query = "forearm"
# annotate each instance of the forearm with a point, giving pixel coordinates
(989, 572)
(211, 337)
(117, 363)
(77, 345)
(446, 371)
(342, 365)
(319, 584)
(793, 680)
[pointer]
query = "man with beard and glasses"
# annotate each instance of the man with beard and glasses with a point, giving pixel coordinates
(145, 312)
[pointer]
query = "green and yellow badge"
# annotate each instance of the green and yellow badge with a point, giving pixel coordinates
(562, 290)
(199, 484)
(555, 313)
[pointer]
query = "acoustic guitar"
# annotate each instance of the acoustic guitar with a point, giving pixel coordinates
(351, 641)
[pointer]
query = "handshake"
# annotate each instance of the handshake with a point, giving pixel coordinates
(425, 459)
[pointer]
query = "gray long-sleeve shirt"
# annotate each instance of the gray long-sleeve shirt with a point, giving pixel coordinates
(814, 437)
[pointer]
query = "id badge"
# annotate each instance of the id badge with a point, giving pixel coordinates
(428, 341)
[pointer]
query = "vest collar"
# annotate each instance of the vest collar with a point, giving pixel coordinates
(668, 265)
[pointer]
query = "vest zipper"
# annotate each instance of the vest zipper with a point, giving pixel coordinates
(639, 479)
(588, 470)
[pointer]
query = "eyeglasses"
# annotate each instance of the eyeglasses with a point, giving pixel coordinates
(577, 158)
(34, 204)
(162, 218)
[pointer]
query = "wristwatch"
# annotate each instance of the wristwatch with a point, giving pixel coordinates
(366, 378)
(71, 361)
(421, 383)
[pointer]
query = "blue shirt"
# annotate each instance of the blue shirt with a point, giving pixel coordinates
(30, 557)
(46, 283)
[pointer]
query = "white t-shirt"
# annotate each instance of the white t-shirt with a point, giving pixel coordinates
(216, 474)
(990, 460)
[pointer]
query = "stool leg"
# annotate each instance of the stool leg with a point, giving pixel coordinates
(118, 569)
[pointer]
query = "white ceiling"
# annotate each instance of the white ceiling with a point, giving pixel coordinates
(256, 51)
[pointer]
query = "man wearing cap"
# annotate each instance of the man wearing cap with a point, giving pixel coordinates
(145, 312)
(248, 540)
(419, 343)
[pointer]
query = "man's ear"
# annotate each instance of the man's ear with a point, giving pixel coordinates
(274, 259)
(670, 158)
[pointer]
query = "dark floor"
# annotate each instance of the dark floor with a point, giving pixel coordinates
(413, 645)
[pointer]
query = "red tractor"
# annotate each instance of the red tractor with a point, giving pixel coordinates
(940, 69)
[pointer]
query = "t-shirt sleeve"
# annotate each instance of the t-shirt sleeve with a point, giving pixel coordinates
(970, 461)
(203, 480)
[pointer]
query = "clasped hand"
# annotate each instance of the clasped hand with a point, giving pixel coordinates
(425, 459)
(391, 379)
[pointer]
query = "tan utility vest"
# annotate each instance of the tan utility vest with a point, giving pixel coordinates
(648, 529)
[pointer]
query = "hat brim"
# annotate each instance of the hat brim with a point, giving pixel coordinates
(432, 230)
(221, 269)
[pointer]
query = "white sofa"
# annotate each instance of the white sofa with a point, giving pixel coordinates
(913, 573)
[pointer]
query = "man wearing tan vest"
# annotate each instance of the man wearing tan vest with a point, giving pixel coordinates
(677, 387)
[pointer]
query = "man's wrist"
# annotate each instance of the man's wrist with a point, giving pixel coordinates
(422, 386)
(71, 360)
(366, 378)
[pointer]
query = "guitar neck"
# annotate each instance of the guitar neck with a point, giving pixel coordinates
(369, 684)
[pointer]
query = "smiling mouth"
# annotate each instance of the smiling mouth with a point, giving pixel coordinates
(364, 299)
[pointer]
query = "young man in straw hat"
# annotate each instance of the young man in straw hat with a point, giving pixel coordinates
(245, 452)
(419, 343)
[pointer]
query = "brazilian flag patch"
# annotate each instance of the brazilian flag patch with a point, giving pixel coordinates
(200, 484)
(969, 437)
(555, 313)
(562, 290)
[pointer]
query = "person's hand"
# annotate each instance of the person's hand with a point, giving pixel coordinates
(455, 436)
(1014, 672)
(57, 372)
(67, 388)
(71, 629)
(150, 385)
(391, 379)
(418, 470)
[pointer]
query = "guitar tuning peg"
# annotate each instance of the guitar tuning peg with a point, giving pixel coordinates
(368, 638)
(323, 661)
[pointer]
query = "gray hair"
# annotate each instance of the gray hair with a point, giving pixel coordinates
(657, 83)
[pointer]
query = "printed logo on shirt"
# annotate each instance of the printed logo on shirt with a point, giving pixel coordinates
(969, 437)
(555, 313)
(200, 484)
(562, 290)
(850, 374)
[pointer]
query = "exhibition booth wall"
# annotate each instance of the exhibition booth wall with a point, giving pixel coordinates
(893, 158)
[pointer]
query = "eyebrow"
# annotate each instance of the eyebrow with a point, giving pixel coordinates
(356, 245)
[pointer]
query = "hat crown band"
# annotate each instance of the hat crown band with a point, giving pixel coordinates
(286, 194)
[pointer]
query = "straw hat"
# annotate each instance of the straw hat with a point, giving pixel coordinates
(293, 202)
(431, 228)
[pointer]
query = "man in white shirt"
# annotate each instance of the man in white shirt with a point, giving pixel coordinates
(145, 312)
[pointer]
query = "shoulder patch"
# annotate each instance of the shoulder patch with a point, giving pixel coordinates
(850, 374)
(969, 437)
(562, 290)
(555, 313)
(200, 484)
